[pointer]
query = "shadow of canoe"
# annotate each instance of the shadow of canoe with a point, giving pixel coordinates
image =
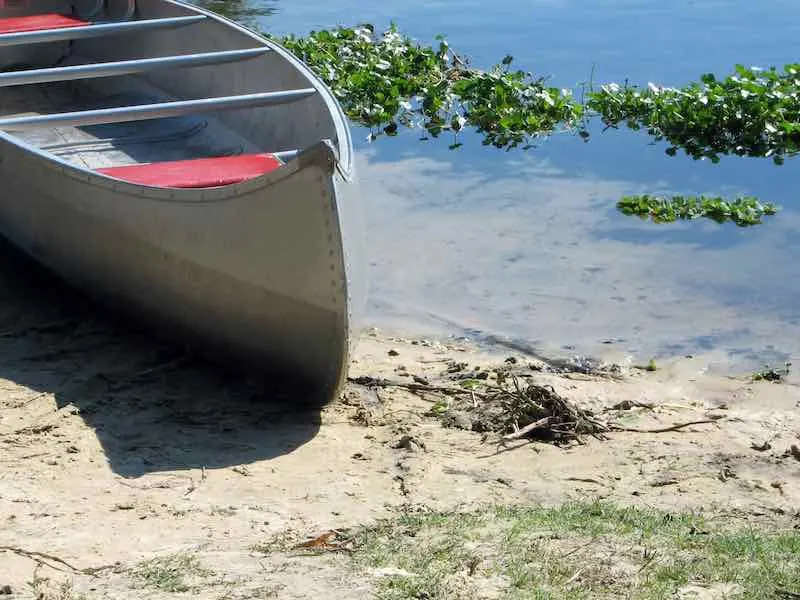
(153, 405)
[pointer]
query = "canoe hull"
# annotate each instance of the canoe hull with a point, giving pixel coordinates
(253, 273)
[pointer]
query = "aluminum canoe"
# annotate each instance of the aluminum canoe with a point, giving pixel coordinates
(187, 171)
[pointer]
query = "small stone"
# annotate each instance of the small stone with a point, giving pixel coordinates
(456, 419)
(393, 352)
(794, 451)
(421, 380)
(6, 590)
(410, 443)
(663, 481)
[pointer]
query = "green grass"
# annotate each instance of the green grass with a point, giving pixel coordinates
(571, 552)
(169, 573)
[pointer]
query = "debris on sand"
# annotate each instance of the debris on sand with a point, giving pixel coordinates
(537, 412)
(510, 408)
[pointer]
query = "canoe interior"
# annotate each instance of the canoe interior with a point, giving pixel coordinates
(214, 133)
(118, 144)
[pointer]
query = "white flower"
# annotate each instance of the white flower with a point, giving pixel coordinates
(546, 97)
(363, 34)
(654, 88)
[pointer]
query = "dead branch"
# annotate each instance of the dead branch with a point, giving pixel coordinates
(675, 427)
(520, 433)
(42, 557)
(411, 387)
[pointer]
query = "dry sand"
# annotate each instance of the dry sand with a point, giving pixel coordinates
(115, 450)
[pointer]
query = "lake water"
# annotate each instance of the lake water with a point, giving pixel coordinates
(528, 245)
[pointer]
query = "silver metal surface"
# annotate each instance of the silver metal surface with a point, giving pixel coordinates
(254, 272)
(126, 67)
(86, 9)
(159, 110)
(285, 155)
(95, 30)
(121, 10)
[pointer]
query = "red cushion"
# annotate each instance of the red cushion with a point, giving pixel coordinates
(38, 22)
(197, 173)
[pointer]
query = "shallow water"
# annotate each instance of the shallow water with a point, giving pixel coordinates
(528, 245)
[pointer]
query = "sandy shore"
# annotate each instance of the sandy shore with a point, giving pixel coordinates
(115, 451)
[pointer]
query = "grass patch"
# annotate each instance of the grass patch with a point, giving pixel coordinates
(44, 588)
(170, 573)
(571, 552)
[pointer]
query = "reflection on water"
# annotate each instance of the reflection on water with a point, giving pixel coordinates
(536, 253)
(529, 245)
(249, 13)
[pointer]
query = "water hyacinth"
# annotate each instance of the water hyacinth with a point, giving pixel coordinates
(386, 80)
(744, 211)
(754, 112)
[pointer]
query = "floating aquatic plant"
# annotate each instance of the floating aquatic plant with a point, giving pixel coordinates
(386, 80)
(744, 211)
(754, 112)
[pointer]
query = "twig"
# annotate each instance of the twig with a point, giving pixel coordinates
(579, 548)
(675, 427)
(520, 433)
(42, 557)
(629, 404)
(575, 577)
(411, 387)
(584, 480)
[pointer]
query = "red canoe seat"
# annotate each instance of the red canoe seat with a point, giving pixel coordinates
(38, 23)
(198, 172)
